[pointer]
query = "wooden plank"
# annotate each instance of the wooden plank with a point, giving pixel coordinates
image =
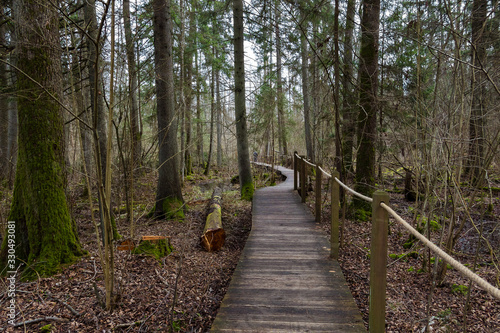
(285, 280)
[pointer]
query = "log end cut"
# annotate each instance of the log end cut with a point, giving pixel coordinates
(213, 240)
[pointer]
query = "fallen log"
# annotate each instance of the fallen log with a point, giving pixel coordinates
(214, 235)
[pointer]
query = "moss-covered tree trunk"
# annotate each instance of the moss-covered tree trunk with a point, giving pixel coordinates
(368, 83)
(45, 234)
(245, 172)
(169, 201)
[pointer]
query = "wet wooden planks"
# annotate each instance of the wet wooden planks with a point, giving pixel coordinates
(285, 280)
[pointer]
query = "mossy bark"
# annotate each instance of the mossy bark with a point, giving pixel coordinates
(45, 234)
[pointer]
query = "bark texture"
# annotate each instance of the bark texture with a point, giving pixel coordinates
(305, 94)
(283, 147)
(45, 234)
(95, 83)
(368, 77)
(169, 201)
(348, 101)
(245, 172)
(476, 124)
(133, 86)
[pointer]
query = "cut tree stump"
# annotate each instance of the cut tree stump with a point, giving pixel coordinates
(156, 246)
(214, 235)
(126, 245)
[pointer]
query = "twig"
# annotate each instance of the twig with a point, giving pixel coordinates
(161, 277)
(34, 321)
(70, 308)
(125, 325)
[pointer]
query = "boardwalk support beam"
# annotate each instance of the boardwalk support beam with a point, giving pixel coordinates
(378, 263)
(335, 208)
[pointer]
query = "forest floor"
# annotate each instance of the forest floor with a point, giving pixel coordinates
(182, 291)
(410, 305)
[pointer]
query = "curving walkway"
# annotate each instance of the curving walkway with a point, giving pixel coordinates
(285, 280)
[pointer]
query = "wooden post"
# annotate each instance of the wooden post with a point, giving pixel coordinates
(317, 210)
(295, 171)
(378, 263)
(334, 235)
(303, 176)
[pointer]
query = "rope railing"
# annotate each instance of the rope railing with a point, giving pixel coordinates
(445, 256)
(378, 261)
(359, 195)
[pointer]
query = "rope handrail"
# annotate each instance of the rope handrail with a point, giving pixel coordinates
(325, 173)
(359, 195)
(307, 162)
(445, 256)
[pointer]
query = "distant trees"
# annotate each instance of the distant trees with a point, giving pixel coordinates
(419, 101)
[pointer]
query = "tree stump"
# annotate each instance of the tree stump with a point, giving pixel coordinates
(214, 235)
(156, 246)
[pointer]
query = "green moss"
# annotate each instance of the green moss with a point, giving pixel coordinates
(46, 328)
(435, 226)
(157, 250)
(45, 234)
(247, 191)
(173, 209)
(459, 289)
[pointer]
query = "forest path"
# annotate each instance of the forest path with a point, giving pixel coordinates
(285, 280)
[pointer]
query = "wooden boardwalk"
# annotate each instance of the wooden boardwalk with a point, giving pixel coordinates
(285, 280)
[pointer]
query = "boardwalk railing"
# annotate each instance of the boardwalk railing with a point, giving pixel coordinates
(378, 247)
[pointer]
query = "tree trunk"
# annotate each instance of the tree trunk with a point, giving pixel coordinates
(339, 165)
(348, 101)
(95, 83)
(12, 130)
(245, 172)
(212, 113)
(368, 77)
(4, 108)
(189, 93)
(305, 92)
(135, 133)
(45, 236)
(182, 72)
(169, 201)
(283, 147)
(219, 120)
(475, 162)
(80, 105)
(199, 122)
